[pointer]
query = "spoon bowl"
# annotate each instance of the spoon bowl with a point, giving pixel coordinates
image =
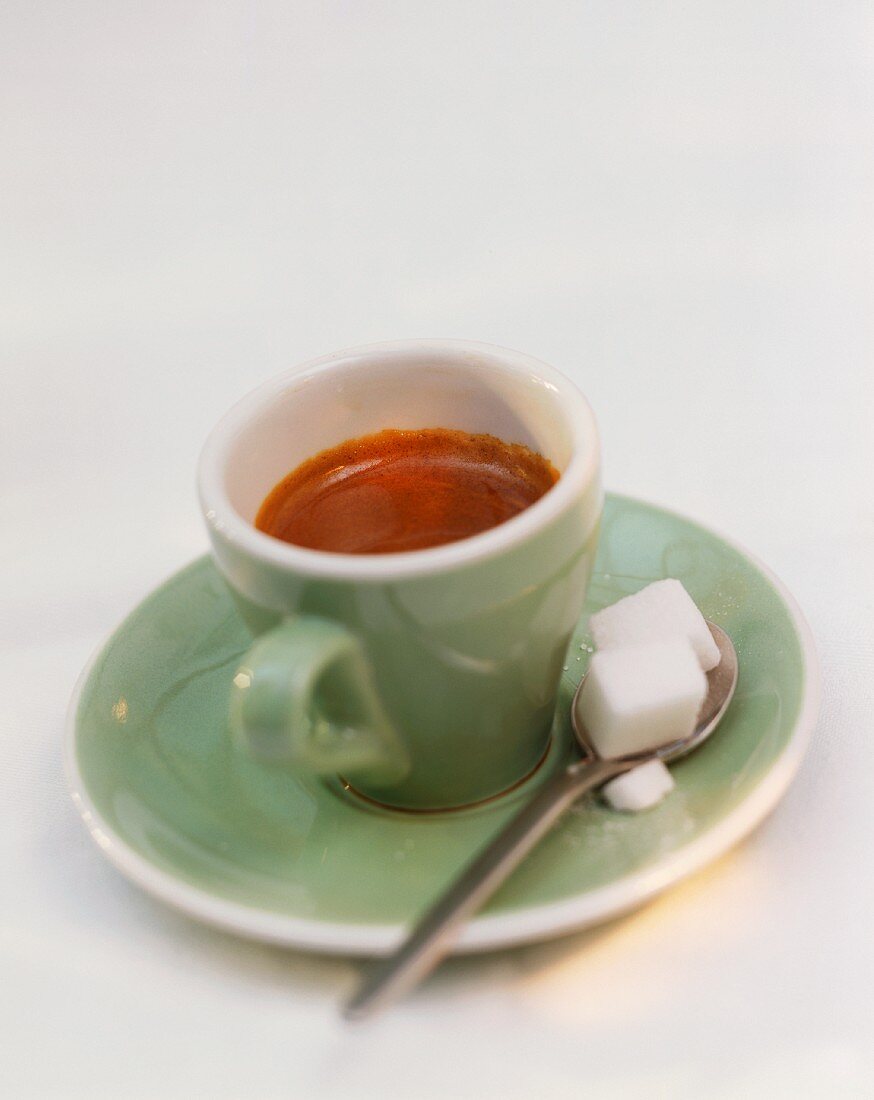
(721, 682)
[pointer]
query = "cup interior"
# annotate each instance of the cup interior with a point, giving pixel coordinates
(406, 387)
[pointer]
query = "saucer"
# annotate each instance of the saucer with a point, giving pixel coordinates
(294, 860)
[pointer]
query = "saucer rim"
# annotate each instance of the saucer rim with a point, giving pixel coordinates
(526, 924)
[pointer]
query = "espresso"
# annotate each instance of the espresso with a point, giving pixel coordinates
(404, 490)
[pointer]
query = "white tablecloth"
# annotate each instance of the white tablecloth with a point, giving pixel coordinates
(672, 203)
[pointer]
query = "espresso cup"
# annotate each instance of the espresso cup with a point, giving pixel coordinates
(425, 679)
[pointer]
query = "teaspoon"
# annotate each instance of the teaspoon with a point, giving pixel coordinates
(434, 935)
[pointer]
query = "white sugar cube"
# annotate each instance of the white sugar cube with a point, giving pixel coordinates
(640, 789)
(657, 611)
(638, 697)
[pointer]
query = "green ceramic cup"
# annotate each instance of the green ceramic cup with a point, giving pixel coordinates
(428, 679)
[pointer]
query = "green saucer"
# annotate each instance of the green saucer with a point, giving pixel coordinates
(291, 859)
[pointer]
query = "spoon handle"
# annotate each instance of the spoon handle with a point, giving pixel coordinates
(435, 933)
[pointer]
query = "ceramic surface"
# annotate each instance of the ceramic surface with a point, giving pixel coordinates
(294, 859)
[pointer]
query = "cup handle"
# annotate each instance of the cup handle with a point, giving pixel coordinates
(303, 695)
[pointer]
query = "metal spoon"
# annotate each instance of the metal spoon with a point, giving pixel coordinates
(435, 933)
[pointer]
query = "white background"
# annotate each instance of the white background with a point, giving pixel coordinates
(670, 201)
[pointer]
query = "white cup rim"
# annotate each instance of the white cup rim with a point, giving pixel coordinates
(227, 524)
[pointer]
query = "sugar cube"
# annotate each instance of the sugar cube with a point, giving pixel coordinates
(657, 611)
(637, 697)
(640, 789)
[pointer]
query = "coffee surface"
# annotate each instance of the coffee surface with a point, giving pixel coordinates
(404, 490)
